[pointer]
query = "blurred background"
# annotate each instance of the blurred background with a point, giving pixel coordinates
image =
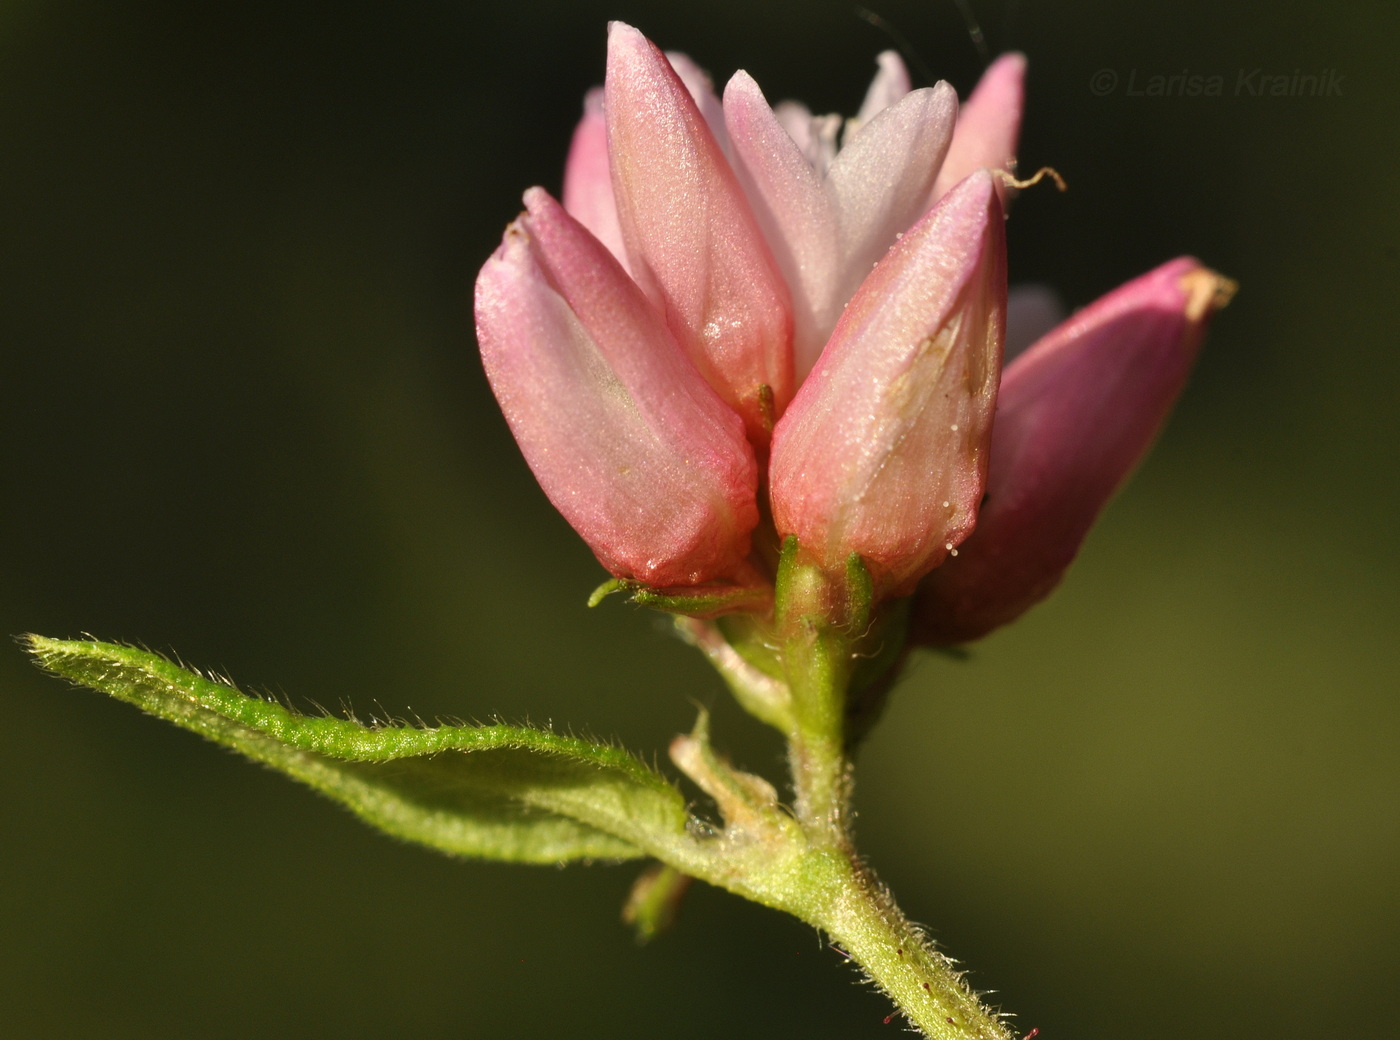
(243, 421)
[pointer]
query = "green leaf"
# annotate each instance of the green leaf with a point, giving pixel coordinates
(500, 792)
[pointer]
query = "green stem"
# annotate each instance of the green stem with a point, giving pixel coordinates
(835, 893)
(815, 873)
(922, 982)
(818, 676)
(857, 911)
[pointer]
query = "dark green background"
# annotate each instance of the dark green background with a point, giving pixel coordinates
(243, 420)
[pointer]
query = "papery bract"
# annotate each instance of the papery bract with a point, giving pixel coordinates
(883, 452)
(627, 440)
(1076, 412)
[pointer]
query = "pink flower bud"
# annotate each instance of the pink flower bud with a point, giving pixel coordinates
(1076, 412)
(989, 124)
(692, 243)
(884, 450)
(625, 437)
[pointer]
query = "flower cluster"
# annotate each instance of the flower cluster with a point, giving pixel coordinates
(746, 324)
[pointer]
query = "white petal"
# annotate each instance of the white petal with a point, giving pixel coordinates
(794, 210)
(880, 181)
(815, 135)
(890, 84)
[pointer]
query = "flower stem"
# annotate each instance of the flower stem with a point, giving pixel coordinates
(857, 911)
(817, 676)
(821, 619)
(923, 983)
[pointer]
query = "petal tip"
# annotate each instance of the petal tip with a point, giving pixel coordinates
(1206, 292)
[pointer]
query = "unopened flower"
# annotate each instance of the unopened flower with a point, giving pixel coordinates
(746, 301)
(1076, 412)
(629, 443)
(884, 451)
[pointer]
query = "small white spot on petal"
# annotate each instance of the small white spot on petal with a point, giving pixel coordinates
(952, 552)
(946, 504)
(948, 546)
(954, 427)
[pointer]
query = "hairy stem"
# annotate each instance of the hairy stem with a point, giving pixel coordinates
(815, 873)
(923, 983)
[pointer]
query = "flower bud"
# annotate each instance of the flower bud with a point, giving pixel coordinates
(624, 435)
(1076, 412)
(884, 450)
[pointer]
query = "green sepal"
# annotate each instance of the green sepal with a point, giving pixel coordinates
(783, 584)
(605, 590)
(879, 659)
(655, 901)
(804, 589)
(698, 601)
(510, 793)
(883, 646)
(860, 593)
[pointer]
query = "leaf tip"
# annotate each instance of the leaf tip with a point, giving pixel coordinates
(44, 651)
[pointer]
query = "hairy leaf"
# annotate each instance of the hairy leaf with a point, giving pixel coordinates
(500, 792)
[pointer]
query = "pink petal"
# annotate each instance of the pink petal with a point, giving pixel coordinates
(989, 125)
(891, 83)
(624, 436)
(883, 451)
(1076, 413)
(793, 208)
(692, 241)
(702, 92)
(588, 192)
